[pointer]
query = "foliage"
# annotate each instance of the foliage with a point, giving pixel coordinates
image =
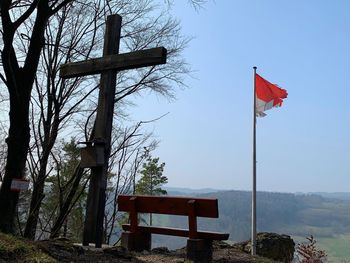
(57, 189)
(152, 178)
(309, 253)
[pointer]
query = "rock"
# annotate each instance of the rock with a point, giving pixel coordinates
(275, 246)
(271, 245)
(118, 252)
(160, 250)
(220, 245)
(60, 249)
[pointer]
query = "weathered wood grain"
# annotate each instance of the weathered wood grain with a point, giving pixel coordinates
(118, 62)
(171, 205)
(178, 232)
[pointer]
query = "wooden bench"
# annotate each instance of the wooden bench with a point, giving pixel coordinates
(138, 238)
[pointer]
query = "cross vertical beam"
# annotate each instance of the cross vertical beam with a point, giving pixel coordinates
(93, 226)
(107, 65)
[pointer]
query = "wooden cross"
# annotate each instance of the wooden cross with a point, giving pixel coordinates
(107, 66)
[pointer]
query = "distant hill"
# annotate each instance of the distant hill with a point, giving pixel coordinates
(336, 195)
(188, 191)
(293, 214)
(285, 213)
(326, 216)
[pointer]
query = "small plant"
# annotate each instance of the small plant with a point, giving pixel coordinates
(309, 253)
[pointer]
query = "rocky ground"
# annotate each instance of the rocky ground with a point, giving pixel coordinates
(65, 252)
(61, 250)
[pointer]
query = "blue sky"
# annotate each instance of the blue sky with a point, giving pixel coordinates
(304, 46)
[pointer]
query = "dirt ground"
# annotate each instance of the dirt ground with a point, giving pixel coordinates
(62, 250)
(225, 254)
(222, 252)
(14, 249)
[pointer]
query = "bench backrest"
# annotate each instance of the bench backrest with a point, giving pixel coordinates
(204, 207)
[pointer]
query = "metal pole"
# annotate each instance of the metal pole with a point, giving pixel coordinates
(253, 237)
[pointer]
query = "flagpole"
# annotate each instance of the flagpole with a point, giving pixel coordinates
(253, 237)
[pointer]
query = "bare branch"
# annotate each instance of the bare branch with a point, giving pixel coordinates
(26, 14)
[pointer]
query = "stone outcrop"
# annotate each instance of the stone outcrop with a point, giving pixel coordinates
(271, 245)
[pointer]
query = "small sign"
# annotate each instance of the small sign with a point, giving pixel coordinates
(92, 156)
(19, 185)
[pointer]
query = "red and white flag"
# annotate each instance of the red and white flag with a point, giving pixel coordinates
(268, 95)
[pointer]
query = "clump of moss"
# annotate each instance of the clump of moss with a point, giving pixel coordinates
(20, 250)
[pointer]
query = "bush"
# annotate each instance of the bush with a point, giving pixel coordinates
(309, 253)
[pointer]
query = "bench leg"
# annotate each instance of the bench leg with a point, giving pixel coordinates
(199, 250)
(136, 241)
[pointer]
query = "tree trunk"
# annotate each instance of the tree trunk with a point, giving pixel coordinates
(17, 145)
(68, 203)
(19, 81)
(38, 187)
(35, 203)
(65, 228)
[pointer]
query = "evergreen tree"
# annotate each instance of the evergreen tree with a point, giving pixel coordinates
(57, 190)
(152, 179)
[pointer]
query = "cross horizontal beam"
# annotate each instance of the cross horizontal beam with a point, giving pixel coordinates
(118, 62)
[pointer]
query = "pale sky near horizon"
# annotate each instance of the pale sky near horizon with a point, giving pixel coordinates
(206, 140)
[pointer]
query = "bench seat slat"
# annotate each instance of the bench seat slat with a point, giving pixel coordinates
(178, 232)
(171, 205)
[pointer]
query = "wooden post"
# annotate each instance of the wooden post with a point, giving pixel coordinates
(192, 219)
(93, 227)
(133, 216)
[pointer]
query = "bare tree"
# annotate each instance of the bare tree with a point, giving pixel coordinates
(125, 159)
(3, 148)
(196, 4)
(69, 31)
(18, 75)
(57, 105)
(61, 181)
(55, 101)
(125, 162)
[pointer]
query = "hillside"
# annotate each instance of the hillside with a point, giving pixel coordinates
(290, 214)
(338, 195)
(297, 215)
